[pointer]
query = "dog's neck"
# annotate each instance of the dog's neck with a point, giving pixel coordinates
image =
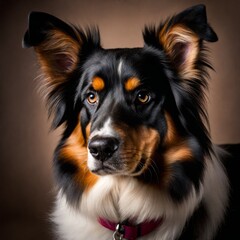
(119, 198)
(130, 230)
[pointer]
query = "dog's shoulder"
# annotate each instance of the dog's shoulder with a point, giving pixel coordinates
(231, 161)
(227, 164)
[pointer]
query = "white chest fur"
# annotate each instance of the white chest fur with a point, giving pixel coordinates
(118, 198)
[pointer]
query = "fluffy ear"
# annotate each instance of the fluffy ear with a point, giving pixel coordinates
(60, 49)
(56, 43)
(181, 38)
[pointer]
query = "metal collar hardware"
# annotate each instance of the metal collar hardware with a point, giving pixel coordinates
(119, 232)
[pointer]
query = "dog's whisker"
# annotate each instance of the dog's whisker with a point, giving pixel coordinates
(153, 167)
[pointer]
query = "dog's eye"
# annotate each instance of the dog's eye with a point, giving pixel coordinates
(92, 98)
(143, 97)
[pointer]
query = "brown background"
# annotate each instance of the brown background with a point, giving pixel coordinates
(26, 182)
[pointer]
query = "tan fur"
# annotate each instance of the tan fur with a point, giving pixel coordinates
(98, 84)
(139, 144)
(176, 146)
(131, 84)
(177, 34)
(75, 151)
(56, 44)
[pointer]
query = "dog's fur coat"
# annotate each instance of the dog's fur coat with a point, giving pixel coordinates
(135, 145)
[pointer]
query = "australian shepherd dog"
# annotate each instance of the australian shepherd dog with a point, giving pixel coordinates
(135, 160)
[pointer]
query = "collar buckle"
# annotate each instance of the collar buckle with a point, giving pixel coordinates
(119, 232)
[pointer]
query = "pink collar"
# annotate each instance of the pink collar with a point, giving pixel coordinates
(131, 232)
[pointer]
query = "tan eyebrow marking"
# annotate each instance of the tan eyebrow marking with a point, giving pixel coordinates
(98, 84)
(132, 83)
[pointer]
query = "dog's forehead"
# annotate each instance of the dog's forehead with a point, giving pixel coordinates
(116, 66)
(112, 61)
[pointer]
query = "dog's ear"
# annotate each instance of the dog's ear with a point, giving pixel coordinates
(57, 44)
(60, 49)
(181, 38)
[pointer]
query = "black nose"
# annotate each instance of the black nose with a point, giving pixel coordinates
(102, 148)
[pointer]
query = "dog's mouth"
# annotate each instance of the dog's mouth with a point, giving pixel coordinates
(104, 169)
(119, 166)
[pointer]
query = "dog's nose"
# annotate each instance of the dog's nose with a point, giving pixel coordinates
(102, 148)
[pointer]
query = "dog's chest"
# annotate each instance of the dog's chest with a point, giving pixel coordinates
(118, 199)
(114, 199)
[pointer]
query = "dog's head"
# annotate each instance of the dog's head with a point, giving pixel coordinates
(131, 112)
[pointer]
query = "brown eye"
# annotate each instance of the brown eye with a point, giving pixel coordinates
(143, 97)
(92, 98)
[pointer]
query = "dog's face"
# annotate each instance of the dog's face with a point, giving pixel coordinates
(119, 92)
(130, 112)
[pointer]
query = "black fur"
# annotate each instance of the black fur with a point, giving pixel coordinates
(159, 75)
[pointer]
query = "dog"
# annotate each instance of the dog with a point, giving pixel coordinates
(135, 160)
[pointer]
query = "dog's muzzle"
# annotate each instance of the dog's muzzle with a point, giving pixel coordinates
(103, 148)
